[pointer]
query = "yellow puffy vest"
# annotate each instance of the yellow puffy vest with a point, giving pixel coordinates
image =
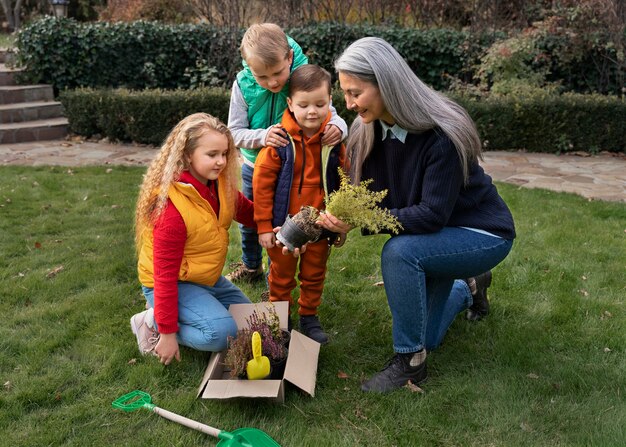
(207, 237)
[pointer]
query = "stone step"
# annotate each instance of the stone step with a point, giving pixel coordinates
(25, 93)
(29, 111)
(50, 129)
(7, 75)
(6, 55)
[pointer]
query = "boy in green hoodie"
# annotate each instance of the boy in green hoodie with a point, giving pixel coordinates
(258, 100)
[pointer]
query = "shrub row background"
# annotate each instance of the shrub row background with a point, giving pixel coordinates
(139, 55)
(536, 123)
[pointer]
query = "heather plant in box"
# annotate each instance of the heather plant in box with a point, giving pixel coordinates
(273, 342)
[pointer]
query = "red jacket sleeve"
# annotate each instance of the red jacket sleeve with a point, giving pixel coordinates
(169, 236)
(245, 211)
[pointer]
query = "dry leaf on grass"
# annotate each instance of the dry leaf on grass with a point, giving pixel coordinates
(8, 385)
(583, 292)
(413, 388)
(342, 375)
(132, 361)
(532, 376)
(52, 273)
(358, 413)
(37, 244)
(379, 284)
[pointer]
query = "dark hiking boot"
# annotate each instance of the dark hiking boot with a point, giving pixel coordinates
(399, 370)
(478, 286)
(311, 327)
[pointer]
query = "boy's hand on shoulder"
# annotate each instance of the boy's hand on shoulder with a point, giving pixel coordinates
(332, 135)
(276, 136)
(267, 240)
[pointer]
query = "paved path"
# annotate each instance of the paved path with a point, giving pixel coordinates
(600, 177)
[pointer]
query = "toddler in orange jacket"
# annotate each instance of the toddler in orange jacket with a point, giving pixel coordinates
(295, 175)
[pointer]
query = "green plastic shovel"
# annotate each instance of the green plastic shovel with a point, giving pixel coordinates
(242, 437)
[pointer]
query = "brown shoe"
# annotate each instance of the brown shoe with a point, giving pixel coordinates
(241, 273)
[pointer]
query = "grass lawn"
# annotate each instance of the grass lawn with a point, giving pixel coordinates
(547, 368)
(7, 40)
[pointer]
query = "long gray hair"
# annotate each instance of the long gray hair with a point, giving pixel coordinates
(414, 106)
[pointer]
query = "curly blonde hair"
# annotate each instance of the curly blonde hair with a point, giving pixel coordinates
(172, 160)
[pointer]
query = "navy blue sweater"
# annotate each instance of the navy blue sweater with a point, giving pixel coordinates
(425, 191)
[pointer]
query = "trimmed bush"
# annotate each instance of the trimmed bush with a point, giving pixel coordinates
(542, 122)
(537, 122)
(143, 54)
(144, 116)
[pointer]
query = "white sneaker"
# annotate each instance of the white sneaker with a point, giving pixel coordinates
(142, 325)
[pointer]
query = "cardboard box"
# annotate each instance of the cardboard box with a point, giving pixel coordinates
(300, 370)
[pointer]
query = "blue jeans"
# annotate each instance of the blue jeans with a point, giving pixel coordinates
(251, 251)
(420, 271)
(204, 323)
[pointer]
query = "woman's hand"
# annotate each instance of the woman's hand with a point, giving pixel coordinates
(276, 136)
(267, 240)
(167, 348)
(296, 253)
(330, 222)
(332, 135)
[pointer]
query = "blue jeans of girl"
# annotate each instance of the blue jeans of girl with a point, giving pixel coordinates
(421, 272)
(204, 323)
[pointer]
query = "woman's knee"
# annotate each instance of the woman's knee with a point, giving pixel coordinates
(398, 249)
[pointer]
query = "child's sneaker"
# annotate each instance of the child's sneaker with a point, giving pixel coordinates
(142, 325)
(310, 325)
(241, 273)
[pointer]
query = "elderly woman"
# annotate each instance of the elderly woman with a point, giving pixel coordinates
(424, 149)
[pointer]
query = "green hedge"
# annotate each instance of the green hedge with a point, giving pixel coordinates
(144, 116)
(551, 123)
(537, 122)
(142, 54)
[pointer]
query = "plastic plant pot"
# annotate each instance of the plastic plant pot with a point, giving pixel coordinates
(291, 235)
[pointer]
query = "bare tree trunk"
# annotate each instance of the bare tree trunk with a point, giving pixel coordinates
(12, 13)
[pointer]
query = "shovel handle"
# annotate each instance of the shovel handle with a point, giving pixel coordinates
(187, 422)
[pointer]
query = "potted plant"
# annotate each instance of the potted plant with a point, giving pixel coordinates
(274, 343)
(353, 204)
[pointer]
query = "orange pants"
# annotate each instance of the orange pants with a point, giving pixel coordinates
(282, 277)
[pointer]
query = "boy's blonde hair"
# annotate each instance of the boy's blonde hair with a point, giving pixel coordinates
(171, 161)
(266, 42)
